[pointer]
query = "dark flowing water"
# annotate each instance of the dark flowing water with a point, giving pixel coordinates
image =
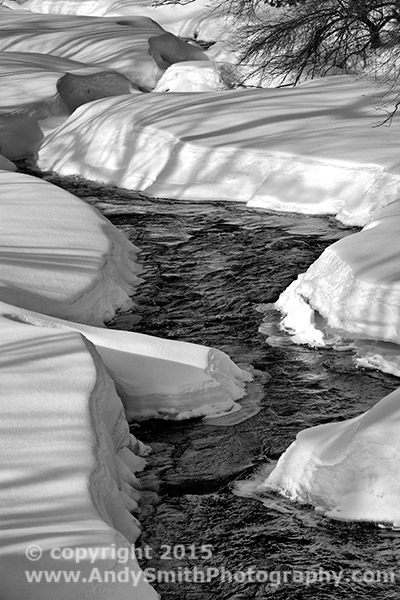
(210, 269)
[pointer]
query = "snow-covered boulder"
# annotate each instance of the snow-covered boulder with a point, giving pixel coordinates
(154, 377)
(6, 165)
(7, 5)
(46, 89)
(348, 470)
(313, 149)
(39, 92)
(190, 77)
(105, 43)
(67, 480)
(76, 89)
(59, 255)
(20, 136)
(353, 292)
(167, 49)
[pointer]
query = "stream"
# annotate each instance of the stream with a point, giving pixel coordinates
(212, 271)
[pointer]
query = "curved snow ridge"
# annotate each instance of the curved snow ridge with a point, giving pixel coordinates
(311, 149)
(60, 256)
(155, 377)
(68, 479)
(347, 470)
(355, 287)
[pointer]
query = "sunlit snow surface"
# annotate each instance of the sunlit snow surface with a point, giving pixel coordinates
(313, 149)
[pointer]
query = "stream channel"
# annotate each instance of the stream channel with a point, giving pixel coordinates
(211, 270)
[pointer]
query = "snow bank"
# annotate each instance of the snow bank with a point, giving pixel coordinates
(348, 470)
(67, 479)
(280, 149)
(107, 43)
(154, 377)
(59, 255)
(192, 19)
(355, 287)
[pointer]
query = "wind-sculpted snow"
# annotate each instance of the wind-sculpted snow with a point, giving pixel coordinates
(352, 294)
(106, 43)
(155, 377)
(279, 149)
(348, 470)
(68, 475)
(59, 255)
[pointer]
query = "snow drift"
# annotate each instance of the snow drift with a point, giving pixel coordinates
(250, 146)
(59, 255)
(67, 479)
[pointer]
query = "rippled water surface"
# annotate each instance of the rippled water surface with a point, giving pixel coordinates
(212, 270)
